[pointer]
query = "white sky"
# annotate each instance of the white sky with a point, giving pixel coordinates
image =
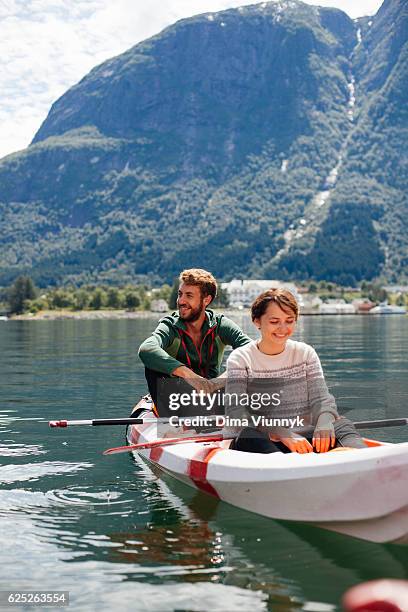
(48, 45)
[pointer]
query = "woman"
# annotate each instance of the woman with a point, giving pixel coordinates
(290, 370)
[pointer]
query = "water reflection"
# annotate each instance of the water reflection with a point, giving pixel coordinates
(51, 544)
(259, 553)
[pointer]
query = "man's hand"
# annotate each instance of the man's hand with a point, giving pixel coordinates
(324, 437)
(199, 383)
(219, 382)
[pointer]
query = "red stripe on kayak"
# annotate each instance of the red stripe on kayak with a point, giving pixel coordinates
(156, 453)
(136, 431)
(197, 469)
(134, 435)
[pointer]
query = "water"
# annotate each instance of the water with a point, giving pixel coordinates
(114, 534)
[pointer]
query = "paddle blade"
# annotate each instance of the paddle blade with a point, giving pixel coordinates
(58, 423)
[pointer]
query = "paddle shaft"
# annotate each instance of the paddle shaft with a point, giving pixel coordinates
(96, 422)
(380, 423)
(129, 421)
(123, 421)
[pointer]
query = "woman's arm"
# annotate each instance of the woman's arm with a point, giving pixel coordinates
(236, 386)
(320, 400)
(322, 405)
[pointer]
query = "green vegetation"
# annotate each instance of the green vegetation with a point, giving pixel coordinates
(172, 301)
(330, 291)
(375, 293)
(23, 297)
(20, 294)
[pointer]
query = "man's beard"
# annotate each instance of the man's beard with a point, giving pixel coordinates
(195, 313)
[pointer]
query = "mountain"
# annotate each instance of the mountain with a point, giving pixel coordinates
(269, 139)
(364, 233)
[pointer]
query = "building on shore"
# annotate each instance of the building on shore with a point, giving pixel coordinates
(241, 293)
(309, 304)
(159, 305)
(337, 306)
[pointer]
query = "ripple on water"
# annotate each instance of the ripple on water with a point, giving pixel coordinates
(14, 449)
(15, 500)
(87, 496)
(9, 417)
(34, 471)
(195, 596)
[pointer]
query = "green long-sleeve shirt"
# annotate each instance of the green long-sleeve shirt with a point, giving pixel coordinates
(170, 346)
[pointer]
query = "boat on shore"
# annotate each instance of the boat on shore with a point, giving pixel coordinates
(357, 492)
(385, 308)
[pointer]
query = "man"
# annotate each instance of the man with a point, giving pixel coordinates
(190, 345)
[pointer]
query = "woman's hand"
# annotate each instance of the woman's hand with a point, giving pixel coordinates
(294, 442)
(324, 437)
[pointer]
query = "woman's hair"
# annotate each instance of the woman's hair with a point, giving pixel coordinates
(282, 297)
(202, 279)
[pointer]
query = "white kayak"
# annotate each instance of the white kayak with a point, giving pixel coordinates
(358, 492)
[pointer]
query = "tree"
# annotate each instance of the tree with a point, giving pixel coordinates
(164, 293)
(81, 299)
(172, 301)
(222, 299)
(132, 300)
(98, 299)
(113, 299)
(40, 303)
(61, 299)
(378, 294)
(22, 290)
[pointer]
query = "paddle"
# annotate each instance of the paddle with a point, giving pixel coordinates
(218, 437)
(208, 420)
(380, 423)
(168, 442)
(94, 422)
(129, 421)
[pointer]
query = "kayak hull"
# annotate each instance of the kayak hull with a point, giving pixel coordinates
(359, 492)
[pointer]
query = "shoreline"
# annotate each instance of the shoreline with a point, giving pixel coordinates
(87, 315)
(104, 314)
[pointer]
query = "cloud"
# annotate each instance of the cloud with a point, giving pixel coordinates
(46, 46)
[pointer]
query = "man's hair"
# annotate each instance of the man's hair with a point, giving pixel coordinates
(282, 297)
(202, 279)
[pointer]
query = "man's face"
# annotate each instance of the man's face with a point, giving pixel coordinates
(190, 302)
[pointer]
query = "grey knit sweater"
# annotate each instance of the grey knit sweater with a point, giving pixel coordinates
(295, 376)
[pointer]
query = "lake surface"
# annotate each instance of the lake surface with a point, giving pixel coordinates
(113, 534)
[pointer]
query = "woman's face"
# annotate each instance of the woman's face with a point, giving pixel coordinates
(276, 325)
